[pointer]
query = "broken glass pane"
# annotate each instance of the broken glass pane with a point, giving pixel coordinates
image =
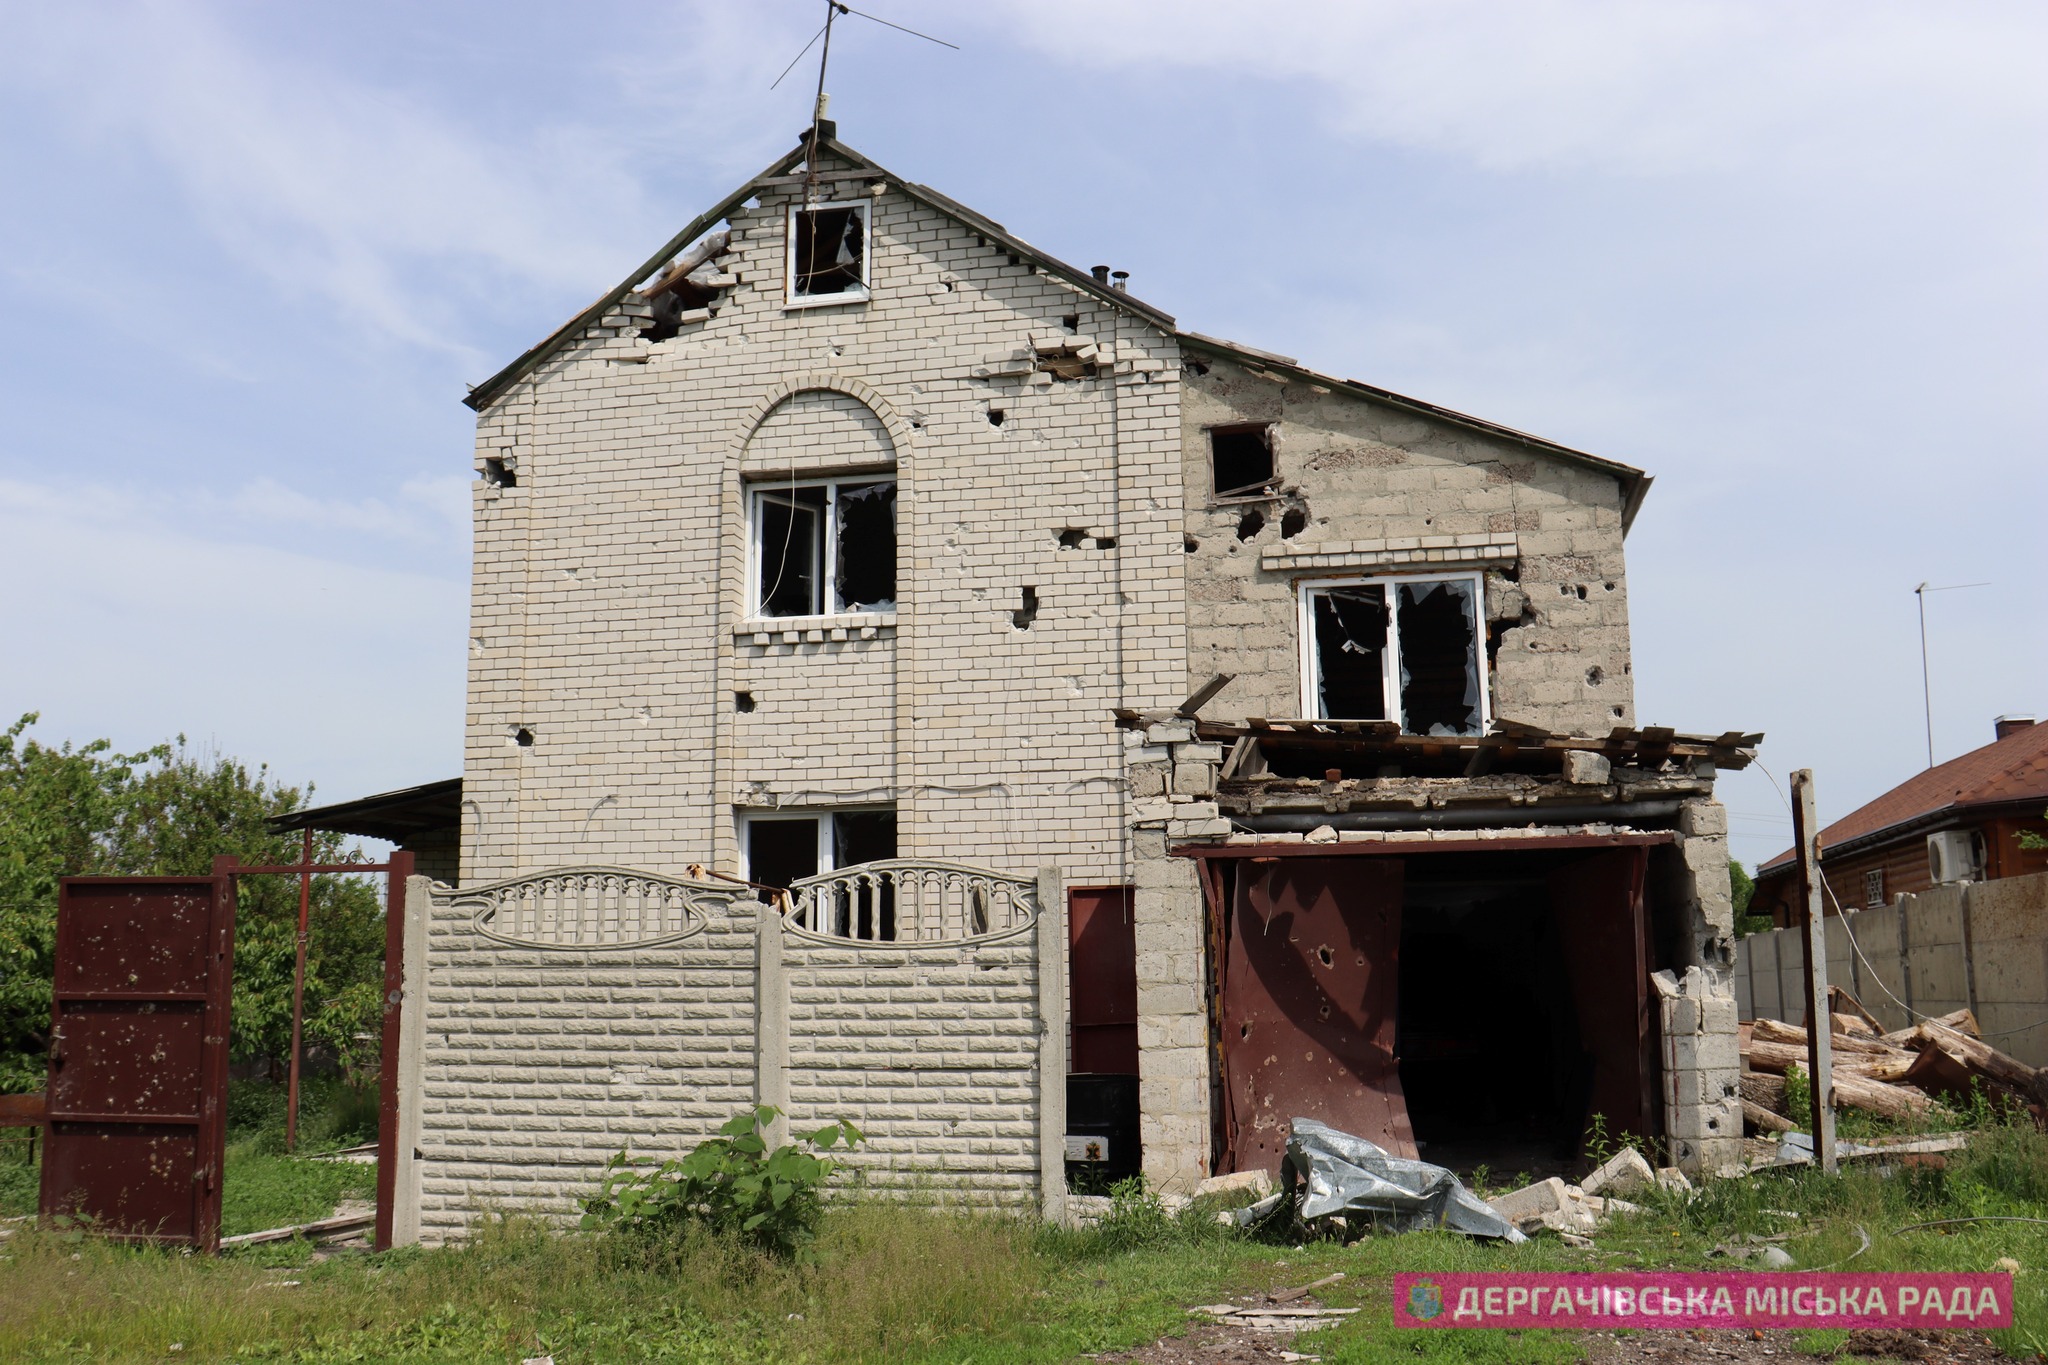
(867, 547)
(792, 544)
(1351, 646)
(828, 251)
(1439, 658)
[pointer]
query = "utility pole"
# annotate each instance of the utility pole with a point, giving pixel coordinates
(1820, 1051)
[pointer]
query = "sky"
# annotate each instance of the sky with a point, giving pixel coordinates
(1788, 259)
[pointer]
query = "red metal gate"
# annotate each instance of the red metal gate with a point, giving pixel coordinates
(139, 1056)
(1309, 993)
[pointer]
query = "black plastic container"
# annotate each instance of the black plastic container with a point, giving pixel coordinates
(1105, 1107)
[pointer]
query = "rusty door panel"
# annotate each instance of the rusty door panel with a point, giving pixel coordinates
(115, 951)
(1103, 995)
(1309, 1005)
(1597, 905)
(134, 1179)
(136, 1120)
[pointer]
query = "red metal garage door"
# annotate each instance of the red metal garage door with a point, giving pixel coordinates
(1309, 997)
(139, 1055)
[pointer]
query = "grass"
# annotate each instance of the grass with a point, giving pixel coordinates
(930, 1286)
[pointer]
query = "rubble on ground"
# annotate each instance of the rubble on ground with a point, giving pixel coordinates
(1574, 1212)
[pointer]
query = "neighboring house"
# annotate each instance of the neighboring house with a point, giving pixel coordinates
(850, 531)
(1960, 821)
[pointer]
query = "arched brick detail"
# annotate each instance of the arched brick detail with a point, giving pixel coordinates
(862, 393)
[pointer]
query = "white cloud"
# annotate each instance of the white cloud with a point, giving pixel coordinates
(331, 186)
(1668, 88)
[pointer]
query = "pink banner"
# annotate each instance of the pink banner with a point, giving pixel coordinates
(1679, 1300)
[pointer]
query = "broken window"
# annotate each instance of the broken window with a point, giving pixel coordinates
(828, 253)
(822, 547)
(1241, 458)
(1399, 649)
(783, 849)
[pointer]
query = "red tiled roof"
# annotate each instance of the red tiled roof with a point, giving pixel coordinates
(2011, 769)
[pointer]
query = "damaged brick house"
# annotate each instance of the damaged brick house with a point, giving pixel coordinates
(852, 532)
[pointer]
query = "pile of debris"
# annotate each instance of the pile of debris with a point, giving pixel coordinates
(1574, 1212)
(1897, 1075)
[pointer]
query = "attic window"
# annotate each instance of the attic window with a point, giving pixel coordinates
(828, 254)
(1399, 649)
(1241, 457)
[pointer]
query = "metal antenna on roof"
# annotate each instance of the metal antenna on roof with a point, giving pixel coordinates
(833, 9)
(1926, 688)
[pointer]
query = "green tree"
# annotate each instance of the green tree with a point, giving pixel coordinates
(88, 810)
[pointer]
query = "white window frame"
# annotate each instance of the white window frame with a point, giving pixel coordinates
(828, 596)
(1390, 659)
(792, 299)
(1873, 889)
(828, 834)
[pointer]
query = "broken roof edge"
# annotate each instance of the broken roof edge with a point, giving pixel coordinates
(1635, 484)
(488, 392)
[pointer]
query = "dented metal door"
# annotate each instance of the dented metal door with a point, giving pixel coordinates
(139, 1056)
(1309, 994)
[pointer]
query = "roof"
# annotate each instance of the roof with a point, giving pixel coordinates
(1634, 482)
(401, 816)
(2005, 771)
(484, 394)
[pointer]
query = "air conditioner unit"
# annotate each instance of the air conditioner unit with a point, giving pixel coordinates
(1955, 855)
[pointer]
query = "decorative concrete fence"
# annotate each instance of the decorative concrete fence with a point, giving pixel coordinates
(554, 1019)
(1981, 945)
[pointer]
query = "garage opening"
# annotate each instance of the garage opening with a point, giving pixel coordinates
(1471, 1007)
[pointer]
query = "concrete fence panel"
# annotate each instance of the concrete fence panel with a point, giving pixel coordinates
(1976, 945)
(564, 1016)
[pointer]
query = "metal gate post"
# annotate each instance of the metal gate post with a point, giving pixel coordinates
(388, 1135)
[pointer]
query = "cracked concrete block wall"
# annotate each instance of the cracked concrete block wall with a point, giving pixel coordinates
(1367, 488)
(1702, 1069)
(1169, 921)
(610, 596)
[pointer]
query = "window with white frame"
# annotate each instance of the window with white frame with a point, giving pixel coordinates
(1873, 889)
(822, 547)
(787, 846)
(1404, 649)
(828, 254)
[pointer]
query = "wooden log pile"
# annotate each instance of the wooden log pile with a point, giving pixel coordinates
(1897, 1075)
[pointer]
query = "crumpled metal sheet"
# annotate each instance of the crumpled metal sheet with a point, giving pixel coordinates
(1344, 1174)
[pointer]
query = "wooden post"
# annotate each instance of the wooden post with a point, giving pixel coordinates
(1820, 1052)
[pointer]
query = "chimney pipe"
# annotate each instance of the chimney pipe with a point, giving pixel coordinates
(1101, 274)
(2011, 725)
(1123, 280)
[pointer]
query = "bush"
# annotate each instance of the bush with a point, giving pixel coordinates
(731, 1185)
